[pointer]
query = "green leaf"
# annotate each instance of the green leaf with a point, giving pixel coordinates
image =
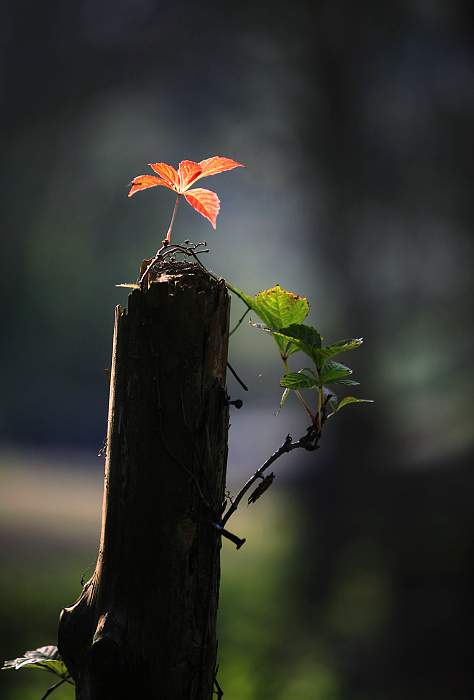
(302, 335)
(283, 399)
(307, 339)
(336, 373)
(331, 371)
(280, 308)
(277, 309)
(46, 658)
(341, 346)
(351, 399)
(298, 380)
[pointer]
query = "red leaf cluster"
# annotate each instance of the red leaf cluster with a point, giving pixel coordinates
(204, 201)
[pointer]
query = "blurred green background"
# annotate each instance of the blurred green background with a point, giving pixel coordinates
(355, 123)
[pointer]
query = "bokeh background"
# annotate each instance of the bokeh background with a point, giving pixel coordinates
(354, 120)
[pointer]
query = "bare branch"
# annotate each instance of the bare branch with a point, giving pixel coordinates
(308, 442)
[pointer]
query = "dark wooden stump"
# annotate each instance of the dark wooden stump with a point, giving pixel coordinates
(144, 626)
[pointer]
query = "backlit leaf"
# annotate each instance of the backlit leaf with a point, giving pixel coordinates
(341, 346)
(352, 399)
(283, 399)
(308, 340)
(217, 164)
(144, 181)
(188, 173)
(305, 338)
(46, 658)
(205, 202)
(277, 308)
(168, 173)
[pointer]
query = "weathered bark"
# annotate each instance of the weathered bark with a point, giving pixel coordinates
(144, 626)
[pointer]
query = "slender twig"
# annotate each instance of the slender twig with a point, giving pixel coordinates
(308, 442)
(240, 321)
(56, 685)
(237, 377)
(169, 251)
(285, 447)
(311, 415)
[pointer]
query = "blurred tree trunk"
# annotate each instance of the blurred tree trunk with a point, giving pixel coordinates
(145, 624)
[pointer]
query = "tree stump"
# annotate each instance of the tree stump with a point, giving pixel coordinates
(145, 624)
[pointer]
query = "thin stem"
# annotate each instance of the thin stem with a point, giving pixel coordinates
(285, 447)
(320, 397)
(240, 321)
(56, 685)
(311, 415)
(308, 442)
(172, 218)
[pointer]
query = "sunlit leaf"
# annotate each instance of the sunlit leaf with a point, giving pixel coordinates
(144, 181)
(205, 202)
(341, 346)
(46, 658)
(308, 340)
(305, 338)
(168, 173)
(352, 399)
(283, 399)
(217, 164)
(277, 308)
(188, 173)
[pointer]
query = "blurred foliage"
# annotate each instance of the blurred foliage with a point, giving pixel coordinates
(261, 651)
(36, 582)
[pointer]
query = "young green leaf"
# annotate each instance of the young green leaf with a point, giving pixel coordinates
(341, 346)
(352, 399)
(277, 308)
(283, 399)
(331, 373)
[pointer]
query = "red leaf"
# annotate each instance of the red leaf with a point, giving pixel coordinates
(205, 202)
(188, 172)
(144, 181)
(168, 173)
(217, 164)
